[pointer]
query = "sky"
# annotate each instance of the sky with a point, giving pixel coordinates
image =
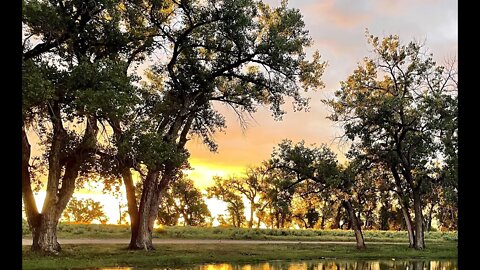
(337, 28)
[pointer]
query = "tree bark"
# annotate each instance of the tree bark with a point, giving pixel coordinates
(149, 206)
(45, 234)
(430, 214)
(277, 215)
(143, 234)
(31, 210)
(152, 188)
(355, 224)
(419, 228)
(44, 225)
(131, 203)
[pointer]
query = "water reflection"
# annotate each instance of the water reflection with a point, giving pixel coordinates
(318, 265)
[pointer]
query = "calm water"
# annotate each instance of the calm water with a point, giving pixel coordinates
(317, 265)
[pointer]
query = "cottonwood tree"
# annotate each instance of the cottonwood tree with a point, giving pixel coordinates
(276, 199)
(74, 62)
(320, 165)
(183, 199)
(239, 53)
(249, 186)
(306, 204)
(399, 109)
(84, 211)
(224, 190)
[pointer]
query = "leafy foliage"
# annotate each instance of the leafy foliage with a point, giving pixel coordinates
(84, 211)
(183, 199)
(224, 191)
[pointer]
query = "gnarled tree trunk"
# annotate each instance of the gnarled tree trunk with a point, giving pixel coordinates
(131, 203)
(44, 225)
(45, 234)
(149, 206)
(143, 235)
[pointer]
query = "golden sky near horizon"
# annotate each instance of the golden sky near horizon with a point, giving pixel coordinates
(338, 31)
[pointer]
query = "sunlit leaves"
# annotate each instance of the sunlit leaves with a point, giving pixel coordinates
(183, 199)
(84, 211)
(223, 190)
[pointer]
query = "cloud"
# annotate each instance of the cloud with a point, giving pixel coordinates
(337, 14)
(338, 31)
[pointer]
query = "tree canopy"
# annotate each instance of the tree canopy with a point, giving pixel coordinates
(400, 110)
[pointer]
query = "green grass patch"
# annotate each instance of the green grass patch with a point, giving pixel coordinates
(294, 235)
(103, 231)
(84, 256)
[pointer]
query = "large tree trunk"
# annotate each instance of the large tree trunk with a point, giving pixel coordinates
(31, 210)
(44, 225)
(44, 229)
(277, 216)
(131, 203)
(419, 228)
(234, 220)
(149, 206)
(45, 235)
(143, 235)
(355, 224)
(152, 188)
(259, 223)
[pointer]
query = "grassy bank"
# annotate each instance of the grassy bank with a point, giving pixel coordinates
(123, 231)
(82, 256)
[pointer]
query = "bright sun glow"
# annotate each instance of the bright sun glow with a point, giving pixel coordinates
(109, 202)
(202, 175)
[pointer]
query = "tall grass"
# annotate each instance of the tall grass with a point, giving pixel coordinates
(293, 234)
(69, 230)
